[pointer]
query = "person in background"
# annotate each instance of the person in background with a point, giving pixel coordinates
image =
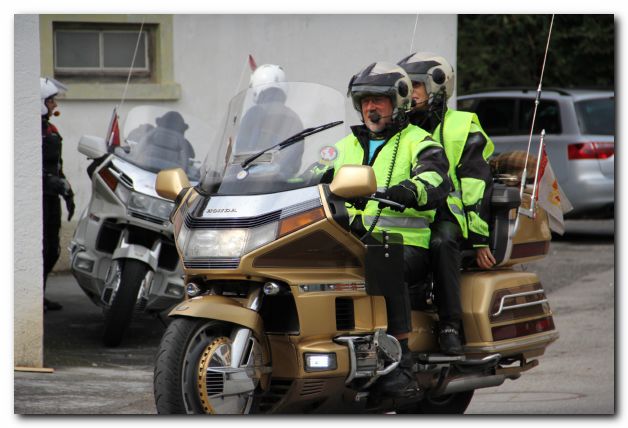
(55, 183)
(465, 214)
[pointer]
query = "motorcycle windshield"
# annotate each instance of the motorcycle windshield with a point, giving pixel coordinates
(260, 118)
(159, 138)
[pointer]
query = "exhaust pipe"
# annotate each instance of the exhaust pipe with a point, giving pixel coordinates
(472, 382)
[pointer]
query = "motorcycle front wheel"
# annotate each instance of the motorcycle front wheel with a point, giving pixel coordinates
(130, 275)
(193, 371)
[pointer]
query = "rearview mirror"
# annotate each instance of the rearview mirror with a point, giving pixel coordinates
(354, 181)
(170, 182)
(92, 147)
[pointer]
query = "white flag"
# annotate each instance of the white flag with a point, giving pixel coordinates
(551, 197)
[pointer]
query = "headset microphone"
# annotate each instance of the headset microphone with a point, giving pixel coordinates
(375, 117)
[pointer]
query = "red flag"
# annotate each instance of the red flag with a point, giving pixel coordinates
(252, 63)
(113, 132)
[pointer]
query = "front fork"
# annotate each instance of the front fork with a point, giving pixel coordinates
(113, 278)
(241, 337)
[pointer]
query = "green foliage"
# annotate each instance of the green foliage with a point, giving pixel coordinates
(507, 50)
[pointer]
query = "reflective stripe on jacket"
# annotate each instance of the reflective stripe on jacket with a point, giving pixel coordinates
(470, 186)
(412, 224)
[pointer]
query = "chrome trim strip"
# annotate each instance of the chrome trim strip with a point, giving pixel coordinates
(539, 340)
(520, 305)
(216, 263)
(332, 288)
(301, 207)
(247, 206)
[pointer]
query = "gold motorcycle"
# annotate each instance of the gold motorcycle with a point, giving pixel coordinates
(285, 310)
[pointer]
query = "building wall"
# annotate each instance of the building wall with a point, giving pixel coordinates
(210, 64)
(27, 230)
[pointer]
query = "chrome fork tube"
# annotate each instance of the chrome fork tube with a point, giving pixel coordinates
(242, 336)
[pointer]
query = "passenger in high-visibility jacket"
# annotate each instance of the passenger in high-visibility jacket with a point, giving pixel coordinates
(411, 168)
(465, 214)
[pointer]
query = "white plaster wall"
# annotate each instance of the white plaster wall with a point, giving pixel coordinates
(210, 54)
(27, 206)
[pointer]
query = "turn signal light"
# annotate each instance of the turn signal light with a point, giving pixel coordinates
(110, 180)
(590, 150)
(299, 221)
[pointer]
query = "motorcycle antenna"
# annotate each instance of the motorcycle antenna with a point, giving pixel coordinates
(113, 131)
(416, 21)
(128, 78)
(531, 211)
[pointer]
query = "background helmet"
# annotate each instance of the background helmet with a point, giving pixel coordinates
(266, 76)
(172, 120)
(48, 88)
(433, 70)
(381, 78)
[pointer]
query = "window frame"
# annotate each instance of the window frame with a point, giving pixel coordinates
(102, 70)
(159, 86)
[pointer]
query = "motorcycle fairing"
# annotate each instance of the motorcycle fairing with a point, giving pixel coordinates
(234, 208)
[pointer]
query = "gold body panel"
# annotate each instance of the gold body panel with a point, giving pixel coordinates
(316, 310)
(477, 290)
(532, 237)
(170, 182)
(220, 308)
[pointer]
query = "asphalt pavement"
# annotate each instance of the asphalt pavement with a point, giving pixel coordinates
(89, 378)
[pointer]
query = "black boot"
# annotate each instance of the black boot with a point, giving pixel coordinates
(401, 380)
(449, 340)
(49, 305)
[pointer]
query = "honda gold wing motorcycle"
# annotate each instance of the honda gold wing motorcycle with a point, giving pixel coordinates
(284, 309)
(122, 253)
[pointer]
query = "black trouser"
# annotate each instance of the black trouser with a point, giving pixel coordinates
(52, 225)
(415, 267)
(445, 260)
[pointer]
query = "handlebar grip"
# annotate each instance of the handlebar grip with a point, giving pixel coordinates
(378, 196)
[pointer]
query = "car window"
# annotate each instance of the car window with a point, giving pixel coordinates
(596, 116)
(547, 117)
(497, 115)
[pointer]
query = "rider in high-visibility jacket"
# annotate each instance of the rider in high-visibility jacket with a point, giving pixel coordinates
(466, 212)
(411, 169)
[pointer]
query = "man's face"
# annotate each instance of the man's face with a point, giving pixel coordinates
(51, 104)
(419, 96)
(376, 106)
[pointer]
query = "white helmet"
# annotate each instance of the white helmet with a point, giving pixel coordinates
(266, 76)
(382, 78)
(267, 73)
(48, 88)
(431, 69)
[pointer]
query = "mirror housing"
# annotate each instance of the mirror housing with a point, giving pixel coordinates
(92, 147)
(354, 181)
(170, 182)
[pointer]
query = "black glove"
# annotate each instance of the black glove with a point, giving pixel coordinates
(359, 203)
(400, 194)
(69, 203)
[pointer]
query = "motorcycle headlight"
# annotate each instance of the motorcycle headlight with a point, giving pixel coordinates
(148, 205)
(233, 243)
(139, 202)
(123, 193)
(216, 243)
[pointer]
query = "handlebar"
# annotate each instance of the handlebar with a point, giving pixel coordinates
(380, 197)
